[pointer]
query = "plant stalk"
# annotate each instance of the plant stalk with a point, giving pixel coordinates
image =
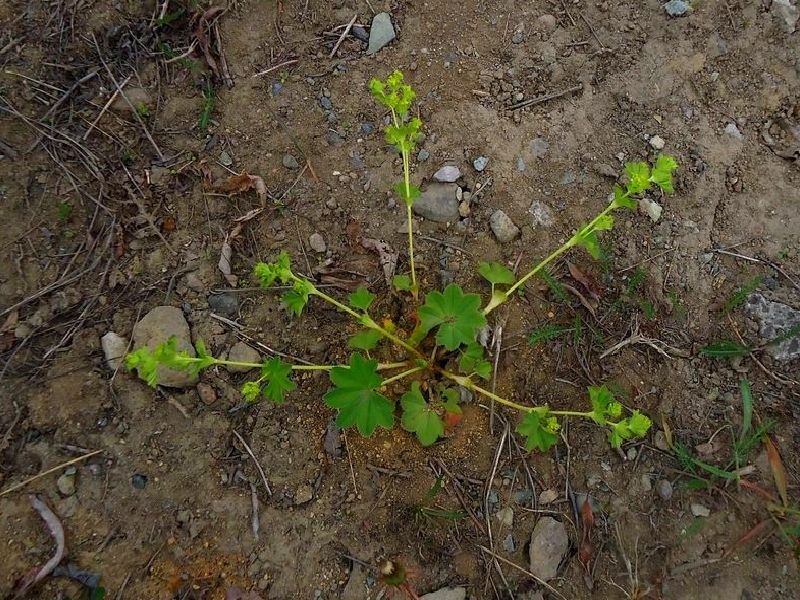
(407, 182)
(400, 376)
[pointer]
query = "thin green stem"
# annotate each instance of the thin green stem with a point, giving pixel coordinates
(570, 413)
(405, 373)
(501, 297)
(407, 183)
(469, 384)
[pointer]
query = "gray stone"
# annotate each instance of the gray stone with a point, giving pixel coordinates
(480, 163)
(438, 203)
(208, 395)
(545, 23)
(423, 155)
(241, 352)
(326, 103)
(664, 489)
(698, 510)
(114, 348)
(226, 305)
(650, 208)
(360, 33)
(520, 164)
(447, 174)
(786, 13)
(66, 482)
(139, 97)
(381, 33)
(448, 593)
(505, 516)
(657, 142)
(333, 138)
(776, 319)
(540, 213)
(677, 8)
(290, 162)
(317, 242)
(225, 159)
(503, 227)
(548, 496)
(549, 544)
(303, 494)
(732, 130)
(539, 147)
(605, 170)
(508, 544)
(158, 326)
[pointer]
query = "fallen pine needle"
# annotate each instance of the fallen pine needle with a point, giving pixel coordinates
(21, 485)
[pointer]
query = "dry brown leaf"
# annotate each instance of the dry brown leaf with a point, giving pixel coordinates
(225, 255)
(778, 470)
(586, 550)
(386, 256)
(11, 321)
(589, 283)
(590, 306)
(244, 182)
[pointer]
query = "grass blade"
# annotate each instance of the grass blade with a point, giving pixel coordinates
(778, 470)
(739, 297)
(546, 333)
(725, 349)
(747, 407)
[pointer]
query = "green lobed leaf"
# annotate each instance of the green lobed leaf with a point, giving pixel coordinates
(622, 199)
(639, 177)
(495, 273)
(296, 299)
(408, 196)
(281, 270)
(251, 390)
(393, 93)
(604, 223)
(637, 425)
(402, 283)
(473, 361)
(588, 241)
(276, 373)
(662, 172)
(361, 299)
(355, 398)
(539, 428)
(365, 340)
(451, 400)
(456, 314)
(144, 362)
(419, 417)
(603, 404)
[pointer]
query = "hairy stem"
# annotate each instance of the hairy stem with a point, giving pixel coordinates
(499, 298)
(407, 182)
(469, 384)
(405, 373)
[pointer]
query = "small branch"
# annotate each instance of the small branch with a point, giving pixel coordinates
(344, 35)
(546, 98)
(255, 460)
(400, 376)
(22, 484)
(275, 67)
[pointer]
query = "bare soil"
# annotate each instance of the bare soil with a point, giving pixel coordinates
(98, 229)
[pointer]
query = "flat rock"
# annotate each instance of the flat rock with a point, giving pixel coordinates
(156, 327)
(438, 203)
(317, 242)
(549, 544)
(290, 162)
(540, 214)
(539, 147)
(381, 33)
(138, 96)
(775, 319)
(650, 208)
(241, 352)
(677, 8)
(786, 13)
(664, 489)
(698, 510)
(66, 483)
(503, 227)
(480, 163)
(505, 516)
(447, 593)
(548, 496)
(447, 174)
(304, 494)
(225, 304)
(114, 348)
